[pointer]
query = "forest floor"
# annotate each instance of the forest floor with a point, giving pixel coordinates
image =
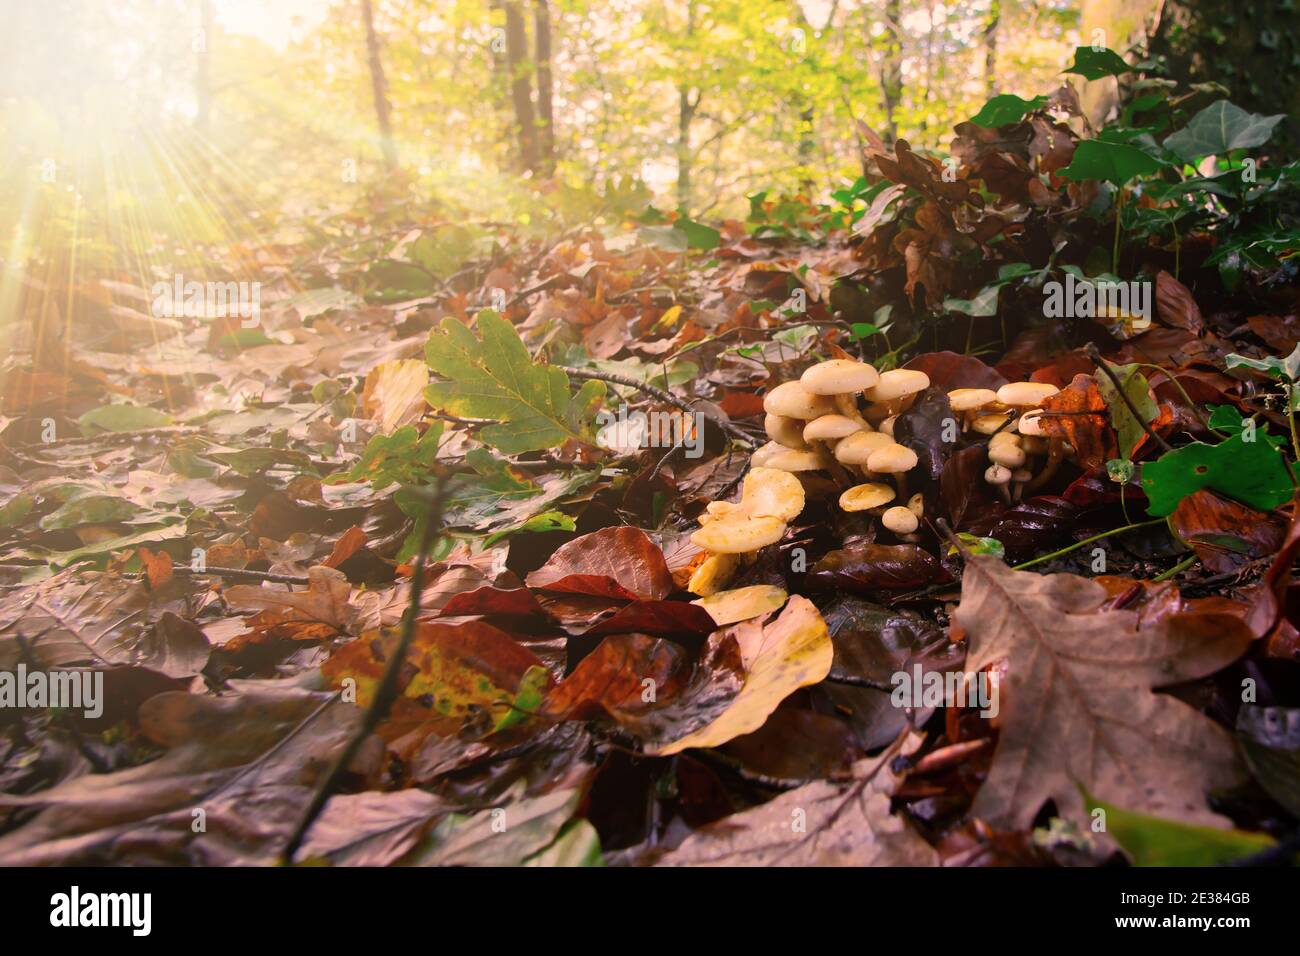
(390, 575)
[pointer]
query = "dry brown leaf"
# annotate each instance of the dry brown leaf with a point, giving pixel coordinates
(1077, 707)
(821, 824)
(325, 600)
(394, 393)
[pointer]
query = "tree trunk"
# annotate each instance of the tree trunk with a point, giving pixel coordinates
(991, 47)
(521, 88)
(379, 88)
(891, 67)
(686, 108)
(545, 90)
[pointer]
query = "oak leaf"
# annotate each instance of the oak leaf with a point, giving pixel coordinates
(1078, 708)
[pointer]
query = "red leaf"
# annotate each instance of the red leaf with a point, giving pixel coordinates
(618, 563)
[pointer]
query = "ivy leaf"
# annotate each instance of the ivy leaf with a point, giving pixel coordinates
(1251, 472)
(1153, 841)
(1220, 128)
(1113, 162)
(1093, 64)
(495, 377)
(1138, 390)
(1287, 368)
(984, 304)
(1005, 109)
(1228, 418)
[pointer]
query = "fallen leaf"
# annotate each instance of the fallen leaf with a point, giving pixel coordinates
(1078, 707)
(621, 563)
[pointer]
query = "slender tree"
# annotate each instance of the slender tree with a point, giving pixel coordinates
(521, 92)
(545, 85)
(891, 67)
(991, 46)
(379, 87)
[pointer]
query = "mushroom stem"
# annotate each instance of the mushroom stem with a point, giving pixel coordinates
(847, 406)
(1055, 453)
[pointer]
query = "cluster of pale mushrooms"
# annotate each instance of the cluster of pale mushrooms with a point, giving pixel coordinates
(818, 424)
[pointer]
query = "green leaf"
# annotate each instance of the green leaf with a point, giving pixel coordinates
(528, 699)
(121, 418)
(1228, 418)
(1093, 64)
(577, 845)
(1120, 470)
(495, 377)
(1251, 472)
(1287, 368)
(1220, 128)
(985, 302)
(1137, 388)
(1112, 162)
(977, 545)
(90, 509)
(405, 457)
(1005, 109)
(1152, 841)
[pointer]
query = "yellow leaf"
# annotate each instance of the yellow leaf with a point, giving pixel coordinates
(740, 604)
(792, 651)
(394, 393)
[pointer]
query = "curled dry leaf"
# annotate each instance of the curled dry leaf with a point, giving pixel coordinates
(779, 657)
(1078, 705)
(621, 563)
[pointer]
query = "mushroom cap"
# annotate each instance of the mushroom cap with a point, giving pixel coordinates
(1035, 445)
(898, 382)
(892, 459)
(886, 425)
(997, 474)
(900, 520)
(1009, 454)
(784, 431)
(838, 376)
(873, 494)
(1025, 394)
(792, 460)
(739, 533)
(1022, 474)
(770, 491)
(793, 401)
(1004, 438)
(916, 504)
(830, 428)
(858, 447)
(1031, 423)
(713, 574)
(969, 399)
(991, 424)
(764, 453)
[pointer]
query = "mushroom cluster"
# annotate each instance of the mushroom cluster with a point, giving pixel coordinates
(818, 423)
(731, 532)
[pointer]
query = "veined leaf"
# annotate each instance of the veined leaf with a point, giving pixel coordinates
(495, 377)
(1113, 162)
(1252, 472)
(1220, 128)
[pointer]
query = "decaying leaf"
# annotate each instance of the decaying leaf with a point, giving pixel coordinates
(1078, 707)
(789, 652)
(820, 824)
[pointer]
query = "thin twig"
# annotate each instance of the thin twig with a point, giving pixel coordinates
(627, 381)
(386, 692)
(1095, 354)
(236, 574)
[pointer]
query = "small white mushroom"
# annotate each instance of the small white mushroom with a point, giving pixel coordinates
(790, 400)
(842, 380)
(785, 431)
(765, 453)
(866, 496)
(857, 448)
(1031, 425)
(769, 491)
(792, 460)
(967, 402)
(824, 434)
(999, 476)
(896, 460)
(739, 533)
(886, 425)
(916, 504)
(900, 520)
(897, 388)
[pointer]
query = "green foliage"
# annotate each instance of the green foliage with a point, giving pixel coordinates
(495, 377)
(1092, 63)
(1005, 109)
(1138, 391)
(1110, 162)
(121, 418)
(1152, 841)
(1251, 472)
(405, 457)
(1220, 128)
